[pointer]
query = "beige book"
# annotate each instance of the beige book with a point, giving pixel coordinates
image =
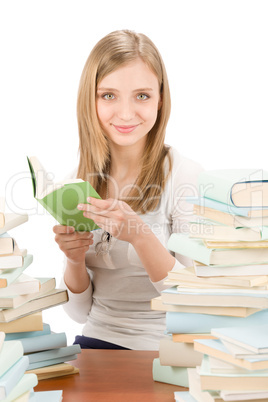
(31, 322)
(56, 370)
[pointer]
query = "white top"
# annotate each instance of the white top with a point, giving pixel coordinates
(116, 306)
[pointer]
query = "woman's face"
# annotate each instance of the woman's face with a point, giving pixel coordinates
(127, 103)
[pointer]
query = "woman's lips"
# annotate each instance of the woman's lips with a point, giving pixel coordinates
(125, 129)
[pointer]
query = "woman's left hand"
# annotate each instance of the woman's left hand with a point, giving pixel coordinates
(115, 217)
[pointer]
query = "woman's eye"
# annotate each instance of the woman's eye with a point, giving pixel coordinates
(142, 96)
(108, 96)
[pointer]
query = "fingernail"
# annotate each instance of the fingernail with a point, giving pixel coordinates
(80, 206)
(88, 199)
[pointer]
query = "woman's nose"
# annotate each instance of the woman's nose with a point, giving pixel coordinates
(126, 110)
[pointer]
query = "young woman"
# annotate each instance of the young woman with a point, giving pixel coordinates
(113, 273)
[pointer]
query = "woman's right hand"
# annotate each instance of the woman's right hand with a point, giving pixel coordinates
(73, 244)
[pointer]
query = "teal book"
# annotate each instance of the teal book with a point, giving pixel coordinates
(253, 338)
(51, 362)
(196, 250)
(11, 377)
(26, 383)
(227, 208)
(54, 354)
(194, 323)
(170, 374)
(61, 199)
(21, 335)
(43, 342)
(240, 187)
(8, 276)
(44, 396)
(10, 353)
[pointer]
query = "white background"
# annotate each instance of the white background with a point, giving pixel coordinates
(216, 55)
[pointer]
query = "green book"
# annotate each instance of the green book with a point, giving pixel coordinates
(170, 374)
(61, 199)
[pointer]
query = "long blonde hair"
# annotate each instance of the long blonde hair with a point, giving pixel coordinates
(111, 52)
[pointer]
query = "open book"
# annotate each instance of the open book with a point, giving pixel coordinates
(61, 199)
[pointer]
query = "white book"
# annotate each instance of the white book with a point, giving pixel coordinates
(25, 284)
(12, 220)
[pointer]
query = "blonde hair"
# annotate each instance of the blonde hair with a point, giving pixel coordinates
(111, 52)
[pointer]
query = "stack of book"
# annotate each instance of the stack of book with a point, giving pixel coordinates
(22, 300)
(227, 285)
(234, 366)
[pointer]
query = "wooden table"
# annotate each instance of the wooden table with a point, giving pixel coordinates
(112, 376)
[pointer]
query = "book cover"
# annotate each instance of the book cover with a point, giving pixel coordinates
(53, 298)
(44, 396)
(51, 362)
(24, 284)
(61, 199)
(7, 244)
(43, 342)
(228, 208)
(9, 276)
(196, 250)
(46, 330)
(184, 396)
(196, 298)
(46, 285)
(26, 383)
(253, 338)
(240, 270)
(57, 370)
(215, 348)
(10, 353)
(170, 374)
(30, 322)
(242, 353)
(203, 228)
(12, 376)
(188, 275)
(13, 260)
(55, 353)
(240, 187)
(178, 354)
(179, 323)
(157, 304)
(253, 380)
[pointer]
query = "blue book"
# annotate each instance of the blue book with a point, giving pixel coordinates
(44, 396)
(12, 376)
(179, 323)
(43, 342)
(252, 337)
(51, 362)
(54, 353)
(21, 335)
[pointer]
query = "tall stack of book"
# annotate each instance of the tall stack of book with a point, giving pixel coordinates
(22, 300)
(228, 284)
